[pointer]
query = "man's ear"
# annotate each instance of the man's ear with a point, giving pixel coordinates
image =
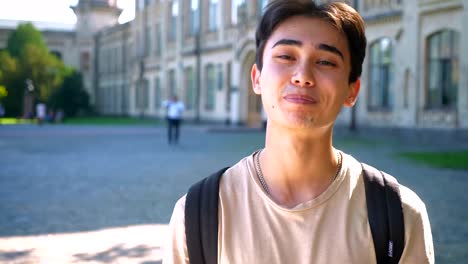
(353, 93)
(255, 76)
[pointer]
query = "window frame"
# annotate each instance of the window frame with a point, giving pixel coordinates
(380, 65)
(441, 90)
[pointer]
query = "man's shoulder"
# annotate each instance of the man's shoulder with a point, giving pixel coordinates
(180, 204)
(412, 204)
(241, 167)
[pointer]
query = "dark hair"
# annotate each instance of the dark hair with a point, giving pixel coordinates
(340, 15)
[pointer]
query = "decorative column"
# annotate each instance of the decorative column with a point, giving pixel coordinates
(463, 85)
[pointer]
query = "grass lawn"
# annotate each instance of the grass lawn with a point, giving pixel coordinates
(111, 121)
(452, 160)
(16, 121)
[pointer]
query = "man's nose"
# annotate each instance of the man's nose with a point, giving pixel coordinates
(304, 76)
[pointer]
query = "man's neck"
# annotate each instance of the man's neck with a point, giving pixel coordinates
(298, 167)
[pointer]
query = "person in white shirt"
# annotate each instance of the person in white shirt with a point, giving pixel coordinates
(40, 113)
(174, 110)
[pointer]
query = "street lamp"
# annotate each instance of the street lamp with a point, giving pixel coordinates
(197, 52)
(28, 99)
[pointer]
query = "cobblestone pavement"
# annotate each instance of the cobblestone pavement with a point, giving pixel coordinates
(90, 194)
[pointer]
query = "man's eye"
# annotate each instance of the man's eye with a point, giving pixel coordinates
(285, 57)
(326, 63)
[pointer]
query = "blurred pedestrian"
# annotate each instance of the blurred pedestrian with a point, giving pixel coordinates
(40, 113)
(59, 116)
(50, 116)
(174, 110)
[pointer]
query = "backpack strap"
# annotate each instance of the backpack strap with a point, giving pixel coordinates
(202, 234)
(384, 209)
(385, 214)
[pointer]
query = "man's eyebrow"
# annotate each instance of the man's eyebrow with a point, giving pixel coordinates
(291, 42)
(330, 48)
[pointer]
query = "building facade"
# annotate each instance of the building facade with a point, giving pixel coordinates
(415, 74)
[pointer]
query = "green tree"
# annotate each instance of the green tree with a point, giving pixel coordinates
(9, 79)
(71, 97)
(27, 58)
(23, 35)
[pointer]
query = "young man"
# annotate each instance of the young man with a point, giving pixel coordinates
(300, 200)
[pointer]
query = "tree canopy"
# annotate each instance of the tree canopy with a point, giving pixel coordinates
(25, 34)
(71, 97)
(27, 59)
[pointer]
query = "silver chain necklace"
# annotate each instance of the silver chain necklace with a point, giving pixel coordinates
(262, 179)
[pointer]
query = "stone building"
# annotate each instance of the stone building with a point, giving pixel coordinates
(416, 68)
(415, 74)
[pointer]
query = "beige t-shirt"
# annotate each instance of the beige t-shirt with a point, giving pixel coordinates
(332, 228)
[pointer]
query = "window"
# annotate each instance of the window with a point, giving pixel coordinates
(157, 93)
(380, 75)
(139, 45)
(238, 11)
(210, 87)
(57, 54)
(219, 78)
(147, 48)
(172, 82)
(189, 88)
(194, 17)
(142, 95)
(173, 22)
(228, 93)
(261, 4)
(406, 88)
(101, 60)
(213, 15)
(141, 4)
(157, 48)
(442, 69)
(85, 61)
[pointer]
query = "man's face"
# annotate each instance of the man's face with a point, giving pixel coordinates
(304, 79)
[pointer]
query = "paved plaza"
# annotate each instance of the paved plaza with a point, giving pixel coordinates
(104, 194)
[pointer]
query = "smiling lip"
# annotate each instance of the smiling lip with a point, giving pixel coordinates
(300, 99)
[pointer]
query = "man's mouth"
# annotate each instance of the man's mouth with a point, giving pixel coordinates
(300, 99)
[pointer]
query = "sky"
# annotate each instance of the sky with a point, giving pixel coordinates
(53, 10)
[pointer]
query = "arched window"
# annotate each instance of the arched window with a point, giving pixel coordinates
(173, 20)
(380, 75)
(442, 69)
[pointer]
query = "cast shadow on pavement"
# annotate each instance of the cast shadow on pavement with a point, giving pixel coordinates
(112, 254)
(15, 255)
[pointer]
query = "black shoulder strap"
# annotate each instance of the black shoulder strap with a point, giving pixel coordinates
(202, 234)
(385, 214)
